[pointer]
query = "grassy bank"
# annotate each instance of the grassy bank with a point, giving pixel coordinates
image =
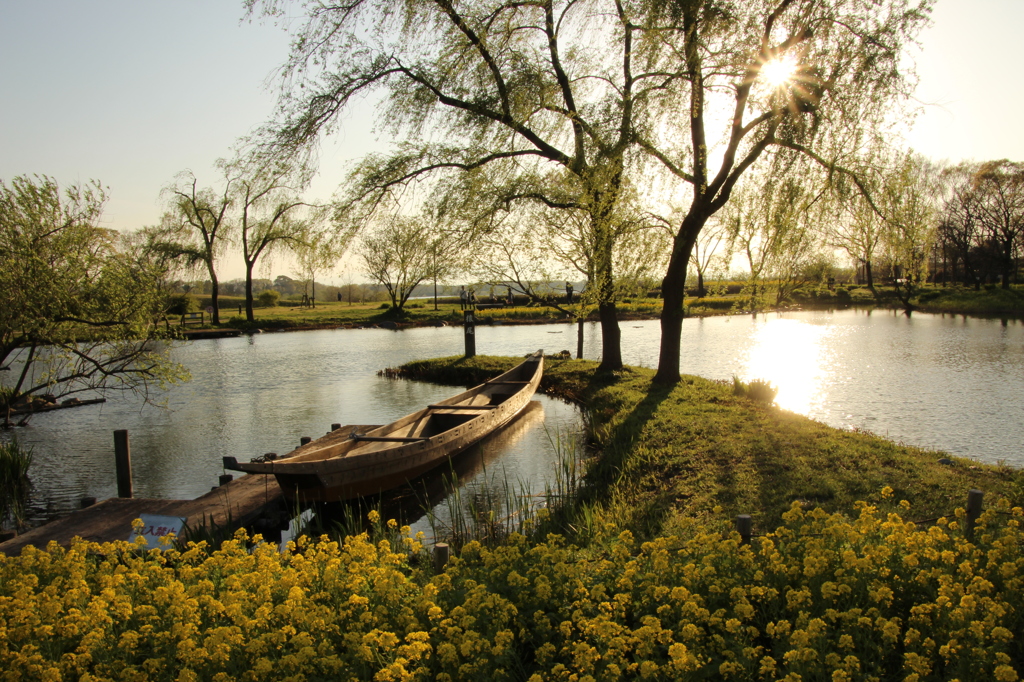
(639, 578)
(989, 301)
(695, 451)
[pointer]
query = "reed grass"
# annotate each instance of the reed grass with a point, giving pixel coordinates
(500, 507)
(15, 486)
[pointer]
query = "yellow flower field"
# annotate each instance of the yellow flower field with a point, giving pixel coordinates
(823, 597)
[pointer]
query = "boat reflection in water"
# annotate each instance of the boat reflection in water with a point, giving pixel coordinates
(477, 476)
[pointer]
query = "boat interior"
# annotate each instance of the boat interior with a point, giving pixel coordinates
(427, 423)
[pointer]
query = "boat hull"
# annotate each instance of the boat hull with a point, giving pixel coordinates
(343, 466)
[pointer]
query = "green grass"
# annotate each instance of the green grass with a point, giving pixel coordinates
(697, 451)
(329, 314)
(959, 300)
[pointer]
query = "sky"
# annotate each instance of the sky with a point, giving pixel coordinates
(133, 92)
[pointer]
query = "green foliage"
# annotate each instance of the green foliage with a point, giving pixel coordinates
(15, 461)
(759, 390)
(268, 298)
(991, 300)
(6, 396)
(179, 304)
(80, 301)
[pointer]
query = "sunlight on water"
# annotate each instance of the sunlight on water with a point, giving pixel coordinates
(790, 355)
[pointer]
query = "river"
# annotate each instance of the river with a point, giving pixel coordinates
(944, 382)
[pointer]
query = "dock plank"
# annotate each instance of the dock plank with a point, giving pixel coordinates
(237, 503)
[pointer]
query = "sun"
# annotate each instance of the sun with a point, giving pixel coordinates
(778, 71)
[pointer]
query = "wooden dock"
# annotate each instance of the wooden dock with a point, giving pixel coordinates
(238, 503)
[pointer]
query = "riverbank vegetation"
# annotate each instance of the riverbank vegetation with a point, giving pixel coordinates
(79, 302)
(641, 576)
(672, 454)
(987, 301)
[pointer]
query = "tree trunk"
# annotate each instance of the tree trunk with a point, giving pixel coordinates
(673, 292)
(671, 340)
(868, 275)
(249, 315)
(214, 294)
(611, 335)
(700, 284)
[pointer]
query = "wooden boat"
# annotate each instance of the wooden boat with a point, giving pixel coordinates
(342, 466)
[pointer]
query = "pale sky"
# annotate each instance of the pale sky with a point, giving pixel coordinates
(131, 92)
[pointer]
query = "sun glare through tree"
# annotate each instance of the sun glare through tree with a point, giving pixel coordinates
(777, 72)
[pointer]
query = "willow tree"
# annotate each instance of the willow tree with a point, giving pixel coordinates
(271, 216)
(809, 76)
(554, 245)
(768, 223)
(909, 199)
(80, 304)
(499, 97)
(198, 224)
(397, 255)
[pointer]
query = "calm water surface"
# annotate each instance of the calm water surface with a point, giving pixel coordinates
(943, 382)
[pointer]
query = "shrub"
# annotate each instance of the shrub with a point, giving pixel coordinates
(268, 298)
(179, 304)
(759, 390)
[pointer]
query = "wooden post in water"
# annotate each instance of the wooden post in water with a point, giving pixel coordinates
(441, 554)
(744, 526)
(335, 427)
(469, 330)
(303, 440)
(974, 500)
(579, 339)
(123, 463)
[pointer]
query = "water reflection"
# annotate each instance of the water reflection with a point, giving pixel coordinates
(479, 471)
(947, 382)
(247, 397)
(792, 355)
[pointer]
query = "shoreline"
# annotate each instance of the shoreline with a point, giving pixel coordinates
(276, 325)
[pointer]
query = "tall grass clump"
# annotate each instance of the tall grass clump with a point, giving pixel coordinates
(501, 507)
(15, 485)
(758, 390)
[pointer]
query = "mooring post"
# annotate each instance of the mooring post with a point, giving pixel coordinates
(304, 439)
(225, 479)
(469, 330)
(441, 554)
(974, 500)
(579, 339)
(335, 427)
(123, 463)
(744, 526)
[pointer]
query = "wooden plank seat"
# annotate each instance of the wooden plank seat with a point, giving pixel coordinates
(463, 407)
